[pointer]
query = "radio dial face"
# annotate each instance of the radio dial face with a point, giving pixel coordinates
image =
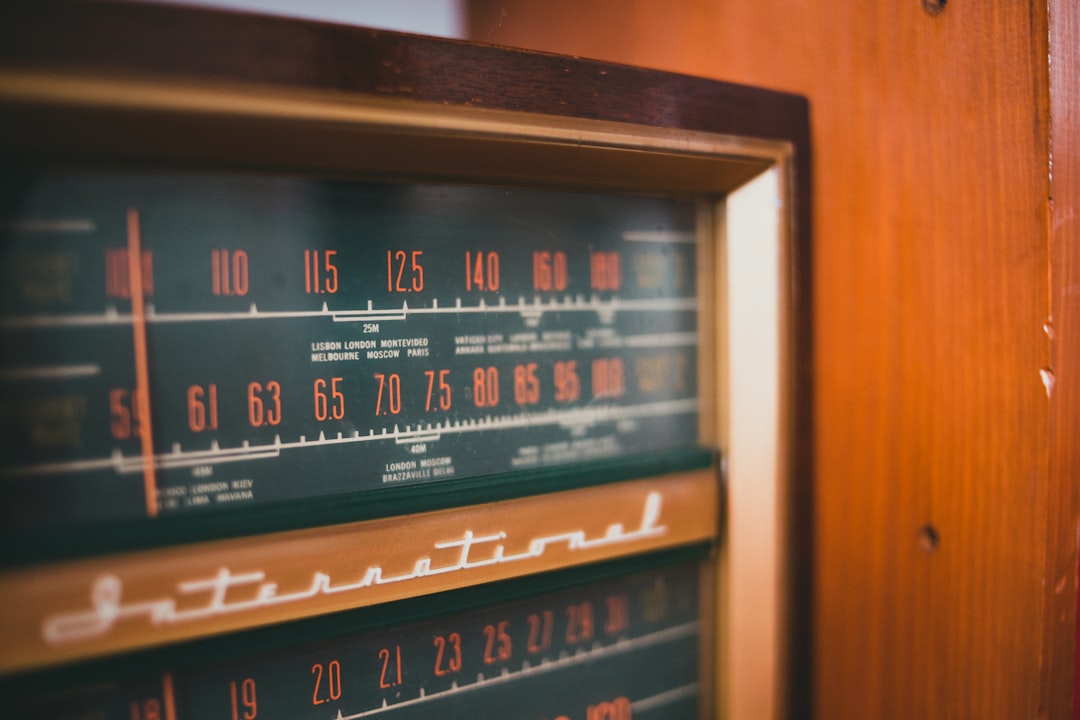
(182, 343)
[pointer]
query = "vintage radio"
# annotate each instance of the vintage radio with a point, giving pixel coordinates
(348, 373)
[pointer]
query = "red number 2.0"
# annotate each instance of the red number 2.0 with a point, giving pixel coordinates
(333, 682)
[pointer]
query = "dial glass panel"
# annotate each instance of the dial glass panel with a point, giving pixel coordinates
(177, 343)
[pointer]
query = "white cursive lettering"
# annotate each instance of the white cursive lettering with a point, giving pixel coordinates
(106, 595)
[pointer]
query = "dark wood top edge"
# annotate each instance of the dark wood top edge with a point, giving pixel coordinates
(225, 46)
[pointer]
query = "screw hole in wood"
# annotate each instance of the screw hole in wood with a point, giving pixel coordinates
(929, 538)
(934, 7)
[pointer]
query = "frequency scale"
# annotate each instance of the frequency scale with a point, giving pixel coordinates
(346, 373)
(287, 325)
(628, 647)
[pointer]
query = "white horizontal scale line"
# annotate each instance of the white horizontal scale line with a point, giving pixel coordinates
(49, 372)
(660, 339)
(528, 310)
(659, 236)
(176, 458)
(665, 698)
(582, 656)
(60, 225)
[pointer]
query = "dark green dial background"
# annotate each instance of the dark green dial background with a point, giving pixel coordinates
(64, 465)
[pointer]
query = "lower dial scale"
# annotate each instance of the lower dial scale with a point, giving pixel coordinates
(623, 648)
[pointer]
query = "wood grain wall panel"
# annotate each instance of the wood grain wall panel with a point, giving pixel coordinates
(932, 248)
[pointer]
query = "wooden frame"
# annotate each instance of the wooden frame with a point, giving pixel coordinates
(127, 85)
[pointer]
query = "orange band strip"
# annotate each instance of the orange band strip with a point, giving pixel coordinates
(168, 696)
(142, 365)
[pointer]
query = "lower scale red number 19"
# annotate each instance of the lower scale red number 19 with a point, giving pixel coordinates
(243, 701)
